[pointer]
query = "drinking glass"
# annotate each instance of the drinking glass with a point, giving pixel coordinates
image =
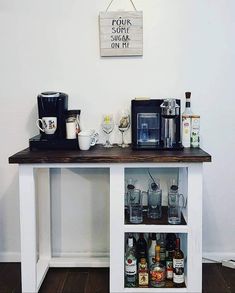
(123, 125)
(107, 126)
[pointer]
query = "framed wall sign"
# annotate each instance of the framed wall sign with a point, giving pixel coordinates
(121, 33)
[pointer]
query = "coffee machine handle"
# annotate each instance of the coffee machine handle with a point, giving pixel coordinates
(38, 124)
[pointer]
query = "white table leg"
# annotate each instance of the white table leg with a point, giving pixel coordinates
(28, 229)
(195, 223)
(116, 228)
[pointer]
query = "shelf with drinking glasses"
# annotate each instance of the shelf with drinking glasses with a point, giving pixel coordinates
(164, 203)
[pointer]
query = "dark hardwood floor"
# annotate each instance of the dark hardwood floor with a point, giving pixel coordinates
(216, 279)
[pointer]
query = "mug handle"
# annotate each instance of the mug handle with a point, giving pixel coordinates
(183, 201)
(145, 193)
(94, 139)
(38, 125)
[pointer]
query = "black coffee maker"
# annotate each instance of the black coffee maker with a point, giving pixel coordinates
(53, 104)
(155, 124)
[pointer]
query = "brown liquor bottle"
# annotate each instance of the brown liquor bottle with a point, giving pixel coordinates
(178, 266)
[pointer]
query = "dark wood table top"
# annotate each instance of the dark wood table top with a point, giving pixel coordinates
(99, 154)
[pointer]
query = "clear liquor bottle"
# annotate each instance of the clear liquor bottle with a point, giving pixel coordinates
(157, 272)
(186, 121)
(178, 266)
(130, 264)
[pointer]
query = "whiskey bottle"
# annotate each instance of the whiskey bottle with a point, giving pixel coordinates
(178, 266)
(170, 250)
(186, 121)
(141, 247)
(143, 274)
(162, 249)
(157, 271)
(130, 264)
(151, 251)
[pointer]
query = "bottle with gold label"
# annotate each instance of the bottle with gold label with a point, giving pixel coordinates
(157, 271)
(143, 273)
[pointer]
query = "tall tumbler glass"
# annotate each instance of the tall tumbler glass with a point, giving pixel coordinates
(134, 198)
(175, 204)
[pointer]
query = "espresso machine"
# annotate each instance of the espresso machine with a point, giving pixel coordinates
(156, 124)
(170, 133)
(53, 104)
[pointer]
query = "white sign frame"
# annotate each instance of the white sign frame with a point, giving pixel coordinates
(121, 33)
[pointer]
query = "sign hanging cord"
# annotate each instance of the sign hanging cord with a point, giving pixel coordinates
(113, 0)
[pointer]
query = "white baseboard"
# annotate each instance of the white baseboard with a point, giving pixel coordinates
(15, 256)
(208, 257)
(217, 257)
(9, 257)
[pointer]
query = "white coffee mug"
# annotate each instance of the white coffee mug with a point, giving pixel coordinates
(48, 124)
(86, 139)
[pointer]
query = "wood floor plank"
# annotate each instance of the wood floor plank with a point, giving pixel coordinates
(213, 281)
(76, 281)
(216, 279)
(10, 280)
(54, 280)
(229, 277)
(98, 281)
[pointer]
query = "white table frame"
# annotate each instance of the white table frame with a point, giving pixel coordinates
(35, 264)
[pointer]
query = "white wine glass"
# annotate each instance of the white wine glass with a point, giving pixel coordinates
(107, 126)
(123, 125)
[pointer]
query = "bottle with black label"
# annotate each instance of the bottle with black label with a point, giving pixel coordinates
(178, 266)
(170, 250)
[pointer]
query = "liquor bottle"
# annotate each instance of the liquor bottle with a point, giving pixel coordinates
(141, 247)
(157, 271)
(130, 264)
(186, 121)
(162, 249)
(178, 266)
(170, 250)
(151, 252)
(143, 273)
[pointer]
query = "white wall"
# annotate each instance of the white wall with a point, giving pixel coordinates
(54, 45)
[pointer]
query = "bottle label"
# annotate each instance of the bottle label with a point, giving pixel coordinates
(143, 279)
(178, 269)
(131, 267)
(195, 132)
(169, 269)
(186, 131)
(157, 276)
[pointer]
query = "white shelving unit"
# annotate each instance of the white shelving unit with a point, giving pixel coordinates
(190, 182)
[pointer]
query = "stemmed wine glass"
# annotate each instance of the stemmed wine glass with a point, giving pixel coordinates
(123, 125)
(107, 126)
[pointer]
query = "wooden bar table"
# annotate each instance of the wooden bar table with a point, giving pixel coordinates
(188, 163)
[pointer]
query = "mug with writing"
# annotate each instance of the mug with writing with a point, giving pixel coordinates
(48, 124)
(86, 139)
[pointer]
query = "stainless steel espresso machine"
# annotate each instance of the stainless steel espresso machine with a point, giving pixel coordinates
(156, 124)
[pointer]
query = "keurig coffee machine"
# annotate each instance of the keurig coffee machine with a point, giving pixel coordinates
(53, 104)
(52, 110)
(156, 124)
